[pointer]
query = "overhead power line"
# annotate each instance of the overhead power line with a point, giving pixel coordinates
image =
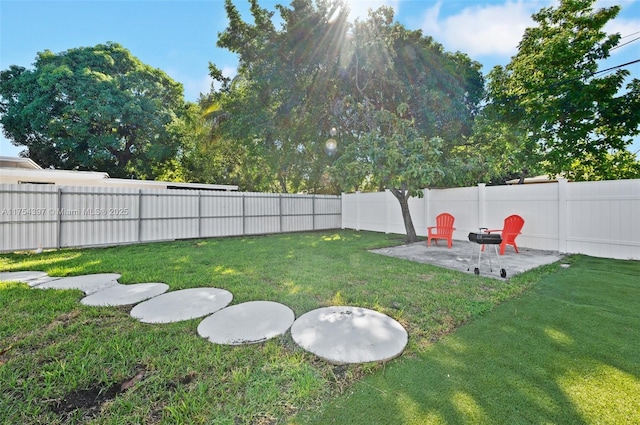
(622, 45)
(568, 80)
(610, 69)
(630, 35)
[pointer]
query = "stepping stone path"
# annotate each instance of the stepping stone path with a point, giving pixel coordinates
(184, 304)
(349, 334)
(22, 276)
(125, 294)
(237, 324)
(339, 335)
(89, 283)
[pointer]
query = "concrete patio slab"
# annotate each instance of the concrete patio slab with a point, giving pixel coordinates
(464, 255)
(184, 304)
(247, 323)
(88, 283)
(125, 294)
(349, 335)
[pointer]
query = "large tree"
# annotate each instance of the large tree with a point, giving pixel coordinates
(571, 118)
(377, 105)
(407, 104)
(92, 108)
(276, 106)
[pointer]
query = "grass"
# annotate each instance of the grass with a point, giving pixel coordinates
(566, 352)
(63, 362)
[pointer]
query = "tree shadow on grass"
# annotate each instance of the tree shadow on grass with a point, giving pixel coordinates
(566, 352)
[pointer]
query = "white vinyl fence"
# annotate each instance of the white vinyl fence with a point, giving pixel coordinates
(48, 216)
(601, 219)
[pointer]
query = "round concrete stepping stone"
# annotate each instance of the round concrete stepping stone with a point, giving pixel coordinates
(181, 305)
(88, 283)
(24, 276)
(247, 323)
(125, 294)
(349, 334)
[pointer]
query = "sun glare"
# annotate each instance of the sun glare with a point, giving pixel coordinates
(359, 9)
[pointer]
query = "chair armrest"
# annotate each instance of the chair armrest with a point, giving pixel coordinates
(492, 230)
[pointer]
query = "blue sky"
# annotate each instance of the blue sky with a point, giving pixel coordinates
(180, 37)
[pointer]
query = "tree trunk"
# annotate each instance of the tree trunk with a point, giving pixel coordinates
(523, 176)
(402, 195)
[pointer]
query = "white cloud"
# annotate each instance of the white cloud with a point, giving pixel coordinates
(481, 30)
(496, 29)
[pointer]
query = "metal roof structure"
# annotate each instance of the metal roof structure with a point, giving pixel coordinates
(15, 170)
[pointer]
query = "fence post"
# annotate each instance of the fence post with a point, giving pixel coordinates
(199, 213)
(59, 218)
(280, 211)
(358, 210)
(562, 215)
(139, 215)
(481, 205)
(388, 202)
(244, 215)
(342, 211)
(427, 207)
(313, 211)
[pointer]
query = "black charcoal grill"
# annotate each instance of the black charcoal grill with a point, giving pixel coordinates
(486, 239)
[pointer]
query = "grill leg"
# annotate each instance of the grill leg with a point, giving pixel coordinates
(490, 266)
(503, 272)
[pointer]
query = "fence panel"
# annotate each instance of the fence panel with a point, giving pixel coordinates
(49, 216)
(28, 217)
(605, 222)
(221, 214)
(462, 203)
(536, 203)
(296, 212)
(327, 212)
(169, 215)
(593, 218)
(97, 216)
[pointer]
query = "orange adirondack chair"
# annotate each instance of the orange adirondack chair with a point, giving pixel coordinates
(442, 230)
(512, 227)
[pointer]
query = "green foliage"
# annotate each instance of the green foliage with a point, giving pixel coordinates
(92, 108)
(208, 157)
(495, 153)
(311, 98)
(276, 105)
(405, 106)
(391, 155)
(570, 120)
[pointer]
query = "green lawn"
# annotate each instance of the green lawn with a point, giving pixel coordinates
(560, 347)
(566, 352)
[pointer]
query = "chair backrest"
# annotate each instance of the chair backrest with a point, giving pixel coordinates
(512, 226)
(445, 221)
